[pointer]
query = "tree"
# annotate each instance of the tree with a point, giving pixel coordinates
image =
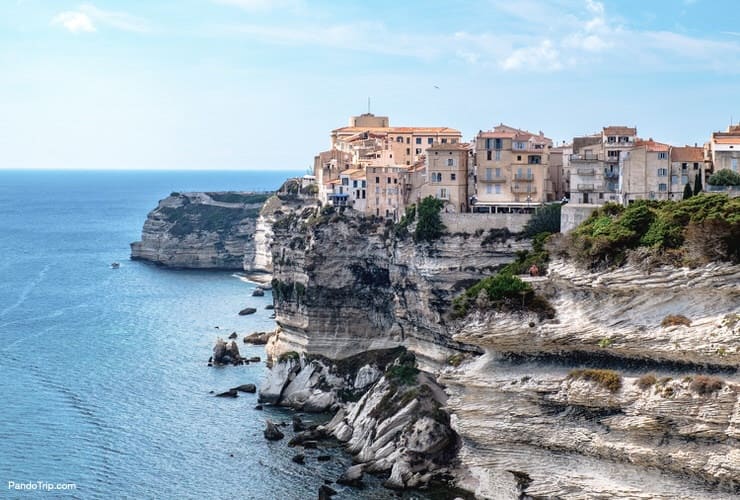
(687, 193)
(429, 226)
(697, 183)
(544, 220)
(724, 177)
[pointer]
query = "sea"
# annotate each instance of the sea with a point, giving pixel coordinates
(105, 390)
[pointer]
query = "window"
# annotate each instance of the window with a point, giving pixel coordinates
(518, 157)
(684, 179)
(674, 179)
(662, 155)
(377, 180)
(498, 188)
(363, 194)
(534, 159)
(363, 184)
(399, 139)
(613, 154)
(450, 162)
(389, 180)
(443, 193)
(452, 177)
(444, 141)
(684, 166)
(418, 140)
(345, 181)
(354, 184)
(498, 172)
(519, 145)
(430, 140)
(488, 155)
(408, 151)
(395, 181)
(453, 141)
(497, 144)
(408, 140)
(498, 154)
(696, 166)
(489, 171)
(734, 164)
(489, 189)
(662, 187)
(662, 172)
(611, 139)
(418, 151)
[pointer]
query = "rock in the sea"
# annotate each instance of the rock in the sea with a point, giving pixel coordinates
(352, 476)
(298, 425)
(232, 336)
(323, 458)
(326, 492)
(226, 354)
(310, 444)
(310, 436)
(269, 307)
(250, 388)
(231, 393)
(255, 359)
(258, 292)
(299, 459)
(257, 338)
(272, 433)
(258, 407)
(247, 310)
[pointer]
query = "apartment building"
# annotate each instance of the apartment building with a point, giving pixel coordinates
(447, 175)
(595, 164)
(326, 167)
(686, 163)
(645, 172)
(723, 149)
(386, 186)
(511, 170)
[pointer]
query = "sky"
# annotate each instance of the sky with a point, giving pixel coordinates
(259, 84)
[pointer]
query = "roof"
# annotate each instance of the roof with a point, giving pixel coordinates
(619, 130)
(398, 130)
(506, 132)
(359, 174)
(687, 154)
(652, 145)
(349, 172)
(726, 140)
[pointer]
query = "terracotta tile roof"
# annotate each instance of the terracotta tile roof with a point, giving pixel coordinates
(506, 132)
(652, 145)
(360, 174)
(617, 130)
(398, 130)
(351, 171)
(727, 140)
(687, 154)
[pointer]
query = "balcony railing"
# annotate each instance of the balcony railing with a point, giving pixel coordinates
(526, 189)
(585, 157)
(585, 171)
(524, 177)
(494, 180)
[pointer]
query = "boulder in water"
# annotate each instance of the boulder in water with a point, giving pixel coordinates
(352, 476)
(272, 433)
(226, 354)
(250, 388)
(326, 492)
(298, 424)
(299, 459)
(258, 292)
(247, 310)
(231, 393)
(233, 335)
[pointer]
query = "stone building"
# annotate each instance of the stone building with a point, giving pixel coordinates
(447, 175)
(723, 149)
(512, 170)
(645, 172)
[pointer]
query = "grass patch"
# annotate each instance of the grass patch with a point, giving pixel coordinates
(287, 356)
(705, 385)
(646, 381)
(675, 320)
(455, 360)
(234, 197)
(608, 379)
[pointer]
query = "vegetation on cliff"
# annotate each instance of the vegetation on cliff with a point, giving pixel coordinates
(689, 232)
(724, 177)
(429, 226)
(191, 217)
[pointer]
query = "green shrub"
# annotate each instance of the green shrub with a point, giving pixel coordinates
(287, 356)
(608, 379)
(687, 193)
(430, 226)
(545, 220)
(724, 177)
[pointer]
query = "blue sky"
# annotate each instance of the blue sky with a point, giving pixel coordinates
(227, 84)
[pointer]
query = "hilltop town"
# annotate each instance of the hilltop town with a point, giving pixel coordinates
(380, 169)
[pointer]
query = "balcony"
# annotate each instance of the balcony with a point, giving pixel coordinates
(523, 177)
(611, 175)
(585, 157)
(585, 171)
(493, 180)
(526, 189)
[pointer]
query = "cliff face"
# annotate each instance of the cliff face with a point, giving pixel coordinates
(610, 398)
(202, 231)
(343, 285)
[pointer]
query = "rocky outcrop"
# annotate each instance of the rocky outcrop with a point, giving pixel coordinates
(226, 354)
(528, 422)
(201, 230)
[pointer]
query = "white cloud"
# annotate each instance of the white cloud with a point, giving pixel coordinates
(263, 5)
(75, 22)
(87, 17)
(541, 57)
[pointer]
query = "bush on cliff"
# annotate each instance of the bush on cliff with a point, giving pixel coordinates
(429, 226)
(605, 238)
(724, 177)
(608, 379)
(545, 220)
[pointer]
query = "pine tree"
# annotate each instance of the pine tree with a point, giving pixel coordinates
(687, 191)
(697, 184)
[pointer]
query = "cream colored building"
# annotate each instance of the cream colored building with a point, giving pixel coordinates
(645, 172)
(686, 163)
(512, 172)
(447, 175)
(385, 191)
(723, 149)
(595, 164)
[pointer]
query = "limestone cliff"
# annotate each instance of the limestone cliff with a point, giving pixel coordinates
(606, 399)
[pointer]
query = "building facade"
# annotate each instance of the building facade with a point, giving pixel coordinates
(447, 175)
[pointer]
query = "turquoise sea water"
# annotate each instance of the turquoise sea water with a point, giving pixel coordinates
(104, 376)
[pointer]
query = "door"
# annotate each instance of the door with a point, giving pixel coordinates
(585, 197)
